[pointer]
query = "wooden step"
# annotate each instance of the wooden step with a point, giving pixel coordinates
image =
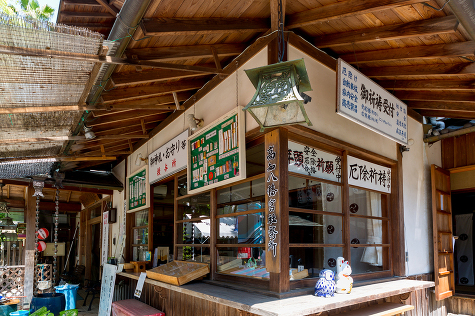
(384, 309)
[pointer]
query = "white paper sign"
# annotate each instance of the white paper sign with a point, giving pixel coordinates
(107, 289)
(105, 237)
(369, 175)
(314, 162)
(168, 159)
(363, 101)
(139, 287)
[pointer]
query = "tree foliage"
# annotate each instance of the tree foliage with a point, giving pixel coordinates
(28, 8)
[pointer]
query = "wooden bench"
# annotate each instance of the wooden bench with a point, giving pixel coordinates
(384, 309)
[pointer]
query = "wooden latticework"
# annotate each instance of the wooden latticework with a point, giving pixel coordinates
(12, 278)
(43, 272)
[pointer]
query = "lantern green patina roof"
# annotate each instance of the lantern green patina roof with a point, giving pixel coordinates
(299, 64)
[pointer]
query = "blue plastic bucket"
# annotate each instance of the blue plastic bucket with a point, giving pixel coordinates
(55, 304)
(70, 293)
(20, 313)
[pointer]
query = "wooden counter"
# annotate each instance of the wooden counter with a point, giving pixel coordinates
(301, 305)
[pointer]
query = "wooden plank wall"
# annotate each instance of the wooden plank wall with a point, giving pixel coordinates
(458, 151)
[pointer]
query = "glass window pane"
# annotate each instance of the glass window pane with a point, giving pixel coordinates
(182, 185)
(238, 198)
(242, 229)
(194, 206)
(190, 253)
(314, 196)
(194, 232)
(315, 259)
(364, 202)
(307, 228)
(363, 259)
(140, 236)
(141, 218)
(367, 231)
(242, 261)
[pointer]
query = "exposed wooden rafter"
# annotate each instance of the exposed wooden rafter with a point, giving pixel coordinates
(435, 95)
(448, 113)
(152, 90)
(89, 3)
(105, 4)
(126, 116)
(427, 84)
(196, 26)
(65, 138)
(419, 52)
(343, 9)
(85, 15)
(435, 26)
(152, 75)
(442, 105)
(448, 70)
(184, 52)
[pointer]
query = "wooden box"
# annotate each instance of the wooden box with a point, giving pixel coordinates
(139, 266)
(178, 272)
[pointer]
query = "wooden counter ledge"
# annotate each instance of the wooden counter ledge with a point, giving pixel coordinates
(299, 305)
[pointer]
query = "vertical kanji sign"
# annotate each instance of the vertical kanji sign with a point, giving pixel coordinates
(273, 194)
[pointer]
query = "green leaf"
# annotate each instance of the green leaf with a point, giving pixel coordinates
(34, 4)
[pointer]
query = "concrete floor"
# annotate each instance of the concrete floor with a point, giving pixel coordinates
(83, 309)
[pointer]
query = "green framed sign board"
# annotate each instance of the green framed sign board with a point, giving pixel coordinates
(138, 190)
(216, 154)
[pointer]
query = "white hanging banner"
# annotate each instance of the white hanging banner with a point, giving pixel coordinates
(307, 160)
(105, 237)
(107, 289)
(363, 101)
(369, 175)
(168, 159)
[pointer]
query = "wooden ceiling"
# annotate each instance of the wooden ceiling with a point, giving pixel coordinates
(421, 55)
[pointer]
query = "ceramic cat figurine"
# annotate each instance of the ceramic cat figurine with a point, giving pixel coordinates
(344, 283)
(325, 286)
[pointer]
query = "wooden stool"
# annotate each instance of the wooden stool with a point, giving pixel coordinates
(139, 266)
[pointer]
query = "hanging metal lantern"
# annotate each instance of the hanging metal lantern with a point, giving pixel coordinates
(279, 98)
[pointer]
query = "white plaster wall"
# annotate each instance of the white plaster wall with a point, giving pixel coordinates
(117, 202)
(417, 202)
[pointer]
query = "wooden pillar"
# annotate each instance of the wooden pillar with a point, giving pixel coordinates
(346, 207)
(273, 47)
(398, 250)
(213, 233)
(30, 218)
(277, 210)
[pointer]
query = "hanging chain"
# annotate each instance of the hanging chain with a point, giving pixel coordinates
(237, 83)
(280, 36)
(55, 257)
(37, 224)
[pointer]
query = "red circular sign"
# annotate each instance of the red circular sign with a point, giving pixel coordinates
(41, 246)
(43, 233)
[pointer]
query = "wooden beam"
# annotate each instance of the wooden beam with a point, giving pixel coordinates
(152, 75)
(38, 109)
(442, 105)
(153, 90)
(89, 3)
(419, 52)
(199, 26)
(105, 4)
(273, 47)
(15, 203)
(91, 26)
(455, 133)
(449, 114)
(250, 52)
(416, 116)
(429, 84)
(177, 103)
(435, 95)
(343, 9)
(461, 169)
(308, 48)
(24, 51)
(86, 15)
(126, 116)
(69, 196)
(216, 58)
(448, 70)
(435, 26)
(144, 130)
(107, 152)
(185, 52)
(159, 103)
